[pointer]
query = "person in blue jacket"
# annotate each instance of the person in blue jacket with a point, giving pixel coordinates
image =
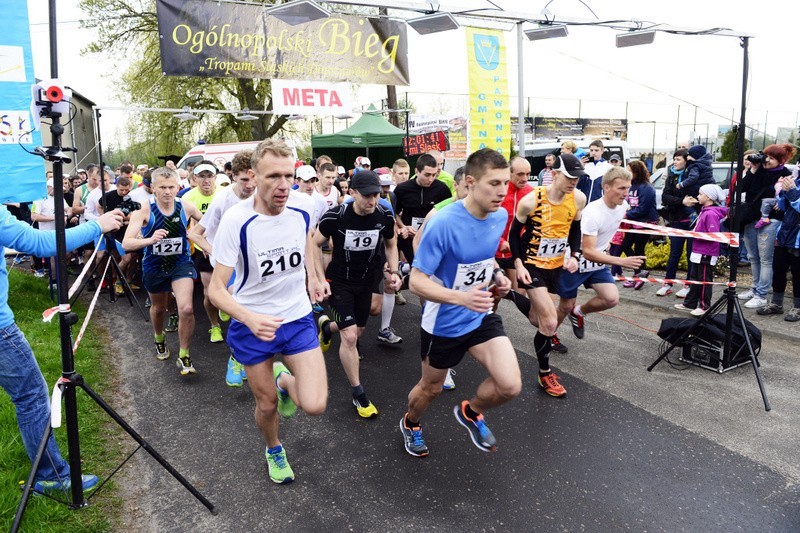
(642, 202)
(20, 375)
(698, 171)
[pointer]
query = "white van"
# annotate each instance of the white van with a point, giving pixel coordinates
(220, 153)
(536, 150)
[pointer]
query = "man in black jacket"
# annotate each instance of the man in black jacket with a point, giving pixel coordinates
(415, 198)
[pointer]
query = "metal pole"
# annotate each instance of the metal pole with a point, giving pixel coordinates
(764, 143)
(678, 127)
(521, 94)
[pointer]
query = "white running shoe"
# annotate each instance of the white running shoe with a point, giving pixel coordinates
(755, 302)
(449, 384)
(698, 311)
(746, 295)
(665, 290)
(683, 292)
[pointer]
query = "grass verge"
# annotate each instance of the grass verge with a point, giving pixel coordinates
(99, 436)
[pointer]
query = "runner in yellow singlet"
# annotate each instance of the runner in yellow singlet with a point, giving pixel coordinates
(545, 228)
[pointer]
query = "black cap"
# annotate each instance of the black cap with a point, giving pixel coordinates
(569, 165)
(366, 182)
(615, 157)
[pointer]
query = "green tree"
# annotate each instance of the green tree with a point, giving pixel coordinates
(726, 152)
(129, 29)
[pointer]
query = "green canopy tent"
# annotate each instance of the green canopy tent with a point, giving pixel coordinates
(371, 135)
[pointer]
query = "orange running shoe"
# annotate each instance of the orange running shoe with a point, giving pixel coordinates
(549, 382)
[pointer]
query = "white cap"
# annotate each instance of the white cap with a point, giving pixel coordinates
(205, 167)
(386, 179)
(306, 172)
(223, 180)
(50, 182)
(365, 162)
(340, 170)
(714, 193)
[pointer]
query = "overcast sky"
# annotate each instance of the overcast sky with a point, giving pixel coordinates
(702, 71)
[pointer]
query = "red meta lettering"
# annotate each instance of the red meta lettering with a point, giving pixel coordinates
(311, 97)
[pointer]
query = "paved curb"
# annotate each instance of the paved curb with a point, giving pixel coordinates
(666, 303)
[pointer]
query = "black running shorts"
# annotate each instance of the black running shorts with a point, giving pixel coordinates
(447, 352)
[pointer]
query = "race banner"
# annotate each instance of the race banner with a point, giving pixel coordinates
(292, 97)
(490, 115)
(227, 40)
(22, 173)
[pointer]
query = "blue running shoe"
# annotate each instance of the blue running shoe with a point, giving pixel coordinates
(233, 377)
(317, 308)
(481, 437)
(63, 486)
(412, 439)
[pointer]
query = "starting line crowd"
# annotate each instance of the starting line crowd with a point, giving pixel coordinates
(292, 254)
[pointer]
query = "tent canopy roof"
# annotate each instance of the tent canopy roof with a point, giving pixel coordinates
(369, 130)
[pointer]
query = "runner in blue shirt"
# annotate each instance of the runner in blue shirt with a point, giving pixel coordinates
(453, 271)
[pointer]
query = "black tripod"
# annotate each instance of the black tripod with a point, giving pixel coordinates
(728, 300)
(70, 379)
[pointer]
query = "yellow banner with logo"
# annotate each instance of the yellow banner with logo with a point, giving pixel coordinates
(489, 116)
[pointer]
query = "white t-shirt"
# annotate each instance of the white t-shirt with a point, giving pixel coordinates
(47, 207)
(270, 267)
(140, 194)
(223, 200)
(301, 200)
(91, 212)
(602, 221)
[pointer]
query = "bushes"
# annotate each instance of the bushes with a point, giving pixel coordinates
(658, 255)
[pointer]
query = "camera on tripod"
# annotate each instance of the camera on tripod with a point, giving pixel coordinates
(128, 206)
(757, 158)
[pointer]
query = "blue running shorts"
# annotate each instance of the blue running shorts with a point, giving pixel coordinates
(290, 338)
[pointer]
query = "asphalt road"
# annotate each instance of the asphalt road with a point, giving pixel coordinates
(626, 450)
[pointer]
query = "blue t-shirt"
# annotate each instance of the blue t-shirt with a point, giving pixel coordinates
(457, 250)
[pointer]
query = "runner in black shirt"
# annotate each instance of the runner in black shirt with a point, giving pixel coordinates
(415, 198)
(358, 230)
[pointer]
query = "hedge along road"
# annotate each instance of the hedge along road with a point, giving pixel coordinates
(626, 449)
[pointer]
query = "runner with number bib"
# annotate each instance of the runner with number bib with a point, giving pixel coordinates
(167, 262)
(269, 245)
(359, 230)
(599, 222)
(550, 219)
(453, 272)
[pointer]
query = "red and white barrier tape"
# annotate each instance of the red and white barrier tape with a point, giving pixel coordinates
(675, 281)
(86, 268)
(89, 311)
(724, 237)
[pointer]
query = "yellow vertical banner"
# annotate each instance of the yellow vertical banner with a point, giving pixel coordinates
(489, 116)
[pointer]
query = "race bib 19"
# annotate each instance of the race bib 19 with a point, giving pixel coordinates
(171, 246)
(473, 274)
(360, 241)
(279, 261)
(552, 247)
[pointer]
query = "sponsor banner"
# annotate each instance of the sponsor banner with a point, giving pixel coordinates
(554, 127)
(228, 40)
(490, 116)
(454, 125)
(23, 174)
(291, 97)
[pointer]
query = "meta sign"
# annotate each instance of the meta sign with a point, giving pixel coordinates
(291, 97)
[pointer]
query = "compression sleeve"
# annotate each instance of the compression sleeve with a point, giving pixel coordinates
(515, 238)
(575, 237)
